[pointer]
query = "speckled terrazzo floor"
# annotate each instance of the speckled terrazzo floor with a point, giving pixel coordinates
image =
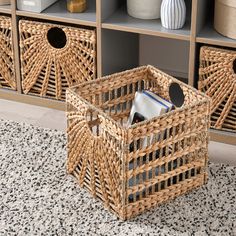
(37, 197)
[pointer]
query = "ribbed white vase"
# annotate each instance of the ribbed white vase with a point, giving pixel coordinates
(173, 14)
(144, 9)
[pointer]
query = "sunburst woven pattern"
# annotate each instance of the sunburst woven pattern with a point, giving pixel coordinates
(7, 71)
(110, 159)
(48, 70)
(217, 78)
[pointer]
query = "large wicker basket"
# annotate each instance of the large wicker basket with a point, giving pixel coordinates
(217, 78)
(130, 180)
(7, 71)
(55, 57)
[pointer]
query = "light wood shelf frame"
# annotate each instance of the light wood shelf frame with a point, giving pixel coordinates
(116, 33)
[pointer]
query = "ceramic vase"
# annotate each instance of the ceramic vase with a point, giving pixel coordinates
(173, 14)
(144, 9)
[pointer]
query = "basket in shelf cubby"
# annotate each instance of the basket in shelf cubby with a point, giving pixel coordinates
(217, 78)
(7, 70)
(109, 159)
(55, 57)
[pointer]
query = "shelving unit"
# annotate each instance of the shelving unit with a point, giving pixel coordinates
(124, 42)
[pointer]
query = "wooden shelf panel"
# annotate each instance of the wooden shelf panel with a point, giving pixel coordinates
(120, 20)
(209, 35)
(33, 100)
(5, 9)
(223, 136)
(58, 12)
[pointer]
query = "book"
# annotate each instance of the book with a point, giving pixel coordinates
(147, 105)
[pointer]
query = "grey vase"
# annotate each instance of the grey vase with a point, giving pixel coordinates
(173, 14)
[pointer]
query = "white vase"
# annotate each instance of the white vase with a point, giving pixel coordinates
(144, 9)
(173, 14)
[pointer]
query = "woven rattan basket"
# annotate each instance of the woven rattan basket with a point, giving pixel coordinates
(55, 57)
(217, 78)
(131, 180)
(7, 71)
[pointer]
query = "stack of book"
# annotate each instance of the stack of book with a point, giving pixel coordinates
(148, 105)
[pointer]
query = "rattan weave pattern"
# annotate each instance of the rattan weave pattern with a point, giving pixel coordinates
(7, 71)
(47, 71)
(217, 78)
(131, 180)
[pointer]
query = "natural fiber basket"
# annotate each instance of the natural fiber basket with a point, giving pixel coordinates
(55, 57)
(217, 78)
(108, 159)
(7, 71)
(225, 17)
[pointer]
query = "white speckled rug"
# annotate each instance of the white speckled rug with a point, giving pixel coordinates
(37, 197)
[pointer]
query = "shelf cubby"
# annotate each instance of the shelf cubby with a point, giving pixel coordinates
(209, 35)
(124, 50)
(120, 51)
(119, 19)
(167, 54)
(58, 12)
(206, 32)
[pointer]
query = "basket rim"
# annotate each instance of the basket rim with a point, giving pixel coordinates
(218, 49)
(145, 122)
(124, 128)
(140, 68)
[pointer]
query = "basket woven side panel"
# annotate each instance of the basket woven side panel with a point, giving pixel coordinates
(7, 71)
(47, 70)
(170, 166)
(167, 155)
(94, 156)
(217, 78)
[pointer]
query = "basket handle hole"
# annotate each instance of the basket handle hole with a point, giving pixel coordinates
(94, 123)
(234, 66)
(56, 37)
(176, 94)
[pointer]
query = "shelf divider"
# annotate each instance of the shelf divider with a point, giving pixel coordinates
(99, 38)
(15, 35)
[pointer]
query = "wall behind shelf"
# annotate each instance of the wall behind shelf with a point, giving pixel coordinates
(169, 55)
(119, 55)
